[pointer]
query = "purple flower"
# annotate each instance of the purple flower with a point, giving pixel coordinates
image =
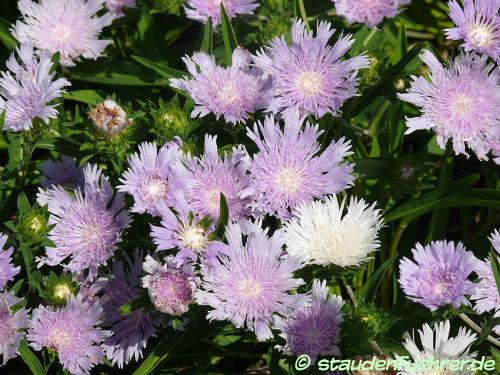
(130, 332)
(288, 169)
(7, 269)
(368, 12)
(72, 332)
(27, 88)
(64, 173)
(202, 10)
(486, 293)
(11, 325)
(250, 284)
(186, 232)
(232, 92)
(314, 329)
(461, 102)
(88, 223)
(309, 75)
(478, 25)
(211, 175)
(153, 176)
(116, 7)
(70, 27)
(170, 288)
(439, 274)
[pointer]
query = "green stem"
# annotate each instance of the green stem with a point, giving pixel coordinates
(303, 14)
(478, 329)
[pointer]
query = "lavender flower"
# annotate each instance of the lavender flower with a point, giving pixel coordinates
(130, 332)
(117, 7)
(368, 12)
(314, 329)
(170, 288)
(288, 169)
(322, 233)
(153, 176)
(232, 92)
(185, 231)
(64, 173)
(88, 224)
(478, 25)
(11, 325)
(309, 75)
(70, 27)
(72, 332)
(250, 284)
(486, 292)
(439, 346)
(439, 274)
(27, 88)
(211, 175)
(202, 10)
(461, 103)
(7, 269)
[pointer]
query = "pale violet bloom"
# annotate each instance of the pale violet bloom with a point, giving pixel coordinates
(28, 87)
(117, 7)
(369, 12)
(7, 270)
(202, 10)
(12, 325)
(70, 27)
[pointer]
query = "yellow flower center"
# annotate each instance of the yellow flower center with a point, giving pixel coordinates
(59, 338)
(194, 238)
(36, 224)
(62, 291)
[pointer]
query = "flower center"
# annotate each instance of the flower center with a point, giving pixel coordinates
(155, 189)
(310, 83)
(171, 292)
(194, 238)
(462, 105)
(250, 288)
(63, 32)
(289, 179)
(213, 199)
(62, 291)
(480, 36)
(228, 93)
(313, 335)
(59, 338)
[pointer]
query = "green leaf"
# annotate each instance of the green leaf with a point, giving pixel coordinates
(141, 302)
(5, 36)
(208, 37)
(30, 359)
(369, 290)
(223, 217)
(55, 61)
(372, 169)
(488, 327)
(495, 266)
(228, 35)
(161, 69)
(2, 120)
(475, 198)
(90, 97)
(34, 275)
(23, 204)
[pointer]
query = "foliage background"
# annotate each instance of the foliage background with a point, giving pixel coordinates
(426, 193)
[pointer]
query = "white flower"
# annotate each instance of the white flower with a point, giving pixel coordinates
(321, 233)
(439, 347)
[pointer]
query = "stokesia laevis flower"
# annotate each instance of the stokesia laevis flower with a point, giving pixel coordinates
(65, 173)
(117, 7)
(478, 25)
(250, 283)
(7, 269)
(131, 332)
(152, 177)
(486, 292)
(88, 223)
(27, 88)
(461, 102)
(233, 92)
(369, 12)
(11, 325)
(171, 288)
(438, 276)
(288, 169)
(202, 10)
(185, 231)
(70, 27)
(310, 75)
(313, 329)
(211, 174)
(72, 331)
(437, 345)
(328, 233)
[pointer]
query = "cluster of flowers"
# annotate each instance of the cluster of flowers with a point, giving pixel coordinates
(248, 279)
